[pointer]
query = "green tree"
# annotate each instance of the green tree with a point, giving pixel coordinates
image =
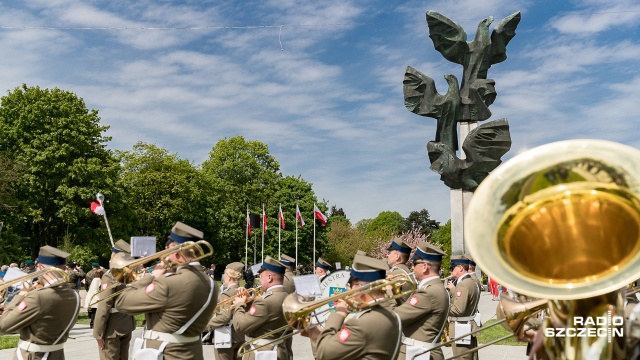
(421, 221)
(442, 238)
(62, 150)
(160, 189)
(386, 222)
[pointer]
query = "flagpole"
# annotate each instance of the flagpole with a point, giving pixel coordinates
(314, 236)
(297, 220)
(246, 239)
(263, 226)
(279, 227)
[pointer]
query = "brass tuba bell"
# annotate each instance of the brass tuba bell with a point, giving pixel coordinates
(562, 222)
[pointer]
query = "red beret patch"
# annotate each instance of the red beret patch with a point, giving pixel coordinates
(413, 301)
(344, 334)
(150, 288)
(458, 293)
(252, 310)
(22, 306)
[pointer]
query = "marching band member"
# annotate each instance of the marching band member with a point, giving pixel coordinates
(112, 329)
(465, 296)
(177, 305)
(289, 262)
(227, 341)
(43, 316)
(424, 315)
(323, 269)
(373, 333)
(397, 259)
(472, 271)
(264, 314)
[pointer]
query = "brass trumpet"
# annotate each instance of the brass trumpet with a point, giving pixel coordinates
(54, 277)
(298, 313)
(251, 294)
(562, 222)
(196, 251)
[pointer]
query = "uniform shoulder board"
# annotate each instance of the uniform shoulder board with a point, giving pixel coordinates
(266, 295)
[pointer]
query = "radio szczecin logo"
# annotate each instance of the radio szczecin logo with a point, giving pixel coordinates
(593, 326)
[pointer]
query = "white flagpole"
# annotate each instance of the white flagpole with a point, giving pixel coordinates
(263, 216)
(297, 223)
(279, 227)
(314, 236)
(247, 226)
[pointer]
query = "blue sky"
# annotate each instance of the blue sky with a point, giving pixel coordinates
(320, 82)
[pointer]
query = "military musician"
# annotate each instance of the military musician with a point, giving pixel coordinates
(373, 333)
(43, 316)
(397, 258)
(323, 269)
(465, 296)
(472, 271)
(112, 329)
(177, 305)
(290, 263)
(424, 315)
(227, 340)
(263, 314)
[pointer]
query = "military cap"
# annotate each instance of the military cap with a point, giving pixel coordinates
(399, 245)
(323, 264)
(29, 262)
(95, 264)
(181, 233)
(272, 265)
(121, 246)
(366, 268)
(287, 260)
(427, 251)
(234, 270)
(459, 260)
(49, 255)
(470, 258)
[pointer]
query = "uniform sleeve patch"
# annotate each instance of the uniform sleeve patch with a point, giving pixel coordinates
(105, 286)
(22, 306)
(252, 310)
(344, 334)
(150, 288)
(458, 293)
(413, 301)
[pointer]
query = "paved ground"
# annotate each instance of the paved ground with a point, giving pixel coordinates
(83, 347)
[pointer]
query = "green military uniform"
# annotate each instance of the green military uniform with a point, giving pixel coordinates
(177, 306)
(403, 248)
(221, 318)
(112, 326)
(43, 317)
(75, 277)
(290, 288)
(89, 277)
(473, 272)
(373, 333)
(465, 298)
(264, 314)
(424, 315)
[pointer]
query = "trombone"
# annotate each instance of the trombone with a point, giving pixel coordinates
(56, 277)
(127, 273)
(298, 313)
(251, 294)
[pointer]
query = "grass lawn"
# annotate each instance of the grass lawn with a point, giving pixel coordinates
(497, 332)
(8, 341)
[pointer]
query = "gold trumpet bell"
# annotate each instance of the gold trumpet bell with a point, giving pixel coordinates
(561, 221)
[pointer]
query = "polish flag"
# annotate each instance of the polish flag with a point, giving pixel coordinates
(299, 216)
(248, 224)
(281, 217)
(97, 209)
(264, 221)
(319, 215)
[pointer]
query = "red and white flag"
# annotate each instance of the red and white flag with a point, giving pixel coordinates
(281, 217)
(248, 223)
(264, 221)
(319, 215)
(97, 209)
(299, 216)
